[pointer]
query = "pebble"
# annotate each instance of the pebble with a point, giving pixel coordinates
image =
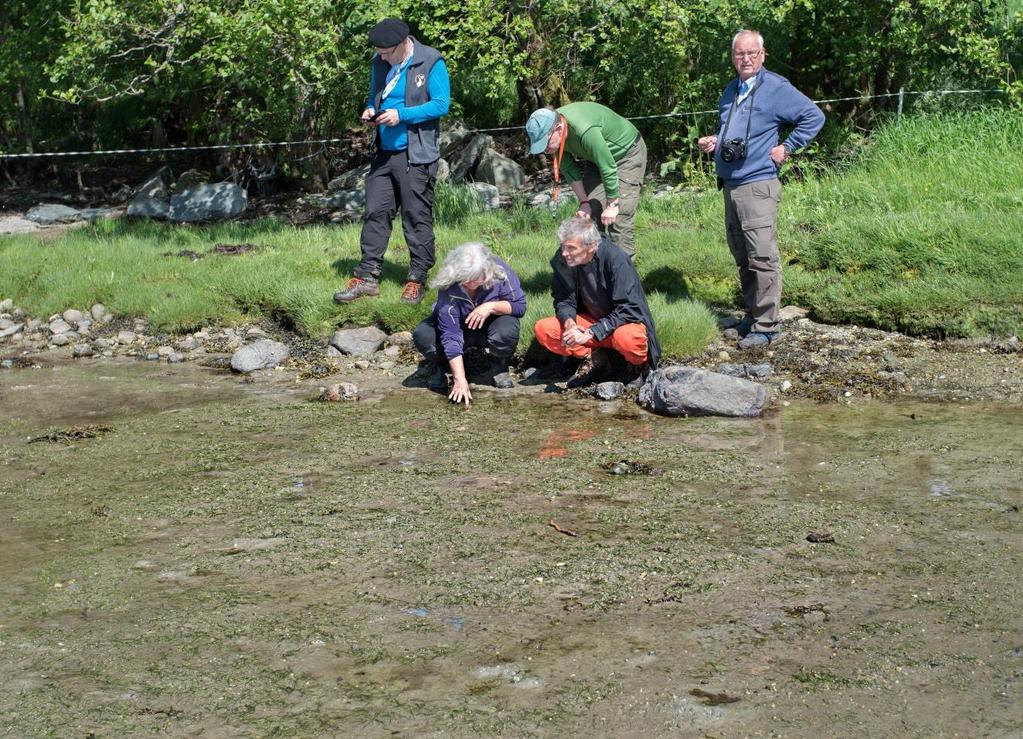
(386, 365)
(59, 326)
(104, 343)
(361, 364)
(392, 351)
(126, 337)
(724, 356)
(785, 386)
(98, 311)
(256, 333)
(188, 344)
(60, 339)
(175, 358)
(164, 351)
(6, 305)
(82, 350)
(152, 357)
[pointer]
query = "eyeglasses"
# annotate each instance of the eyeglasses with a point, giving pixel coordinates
(747, 54)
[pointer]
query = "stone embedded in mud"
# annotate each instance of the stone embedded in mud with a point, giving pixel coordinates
(609, 390)
(338, 392)
(263, 354)
(358, 341)
(399, 338)
(59, 326)
(82, 350)
(688, 391)
(126, 337)
(48, 214)
(73, 316)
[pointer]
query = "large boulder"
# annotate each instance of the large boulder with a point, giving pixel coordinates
(190, 178)
(152, 198)
(499, 170)
(48, 214)
(17, 225)
(263, 354)
(157, 186)
(454, 136)
(463, 163)
(353, 179)
(208, 203)
(688, 391)
(358, 341)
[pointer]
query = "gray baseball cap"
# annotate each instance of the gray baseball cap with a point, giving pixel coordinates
(538, 129)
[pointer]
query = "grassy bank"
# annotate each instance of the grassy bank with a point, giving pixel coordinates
(919, 233)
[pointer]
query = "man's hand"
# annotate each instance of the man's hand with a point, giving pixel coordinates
(585, 211)
(708, 144)
(779, 154)
(479, 315)
(460, 392)
(388, 118)
(609, 213)
(367, 115)
(575, 336)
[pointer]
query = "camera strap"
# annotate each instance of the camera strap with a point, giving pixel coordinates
(734, 107)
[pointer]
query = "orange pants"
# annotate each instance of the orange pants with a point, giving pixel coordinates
(628, 340)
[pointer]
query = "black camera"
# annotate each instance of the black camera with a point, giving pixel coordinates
(733, 150)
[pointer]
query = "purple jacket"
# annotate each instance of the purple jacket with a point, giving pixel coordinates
(453, 306)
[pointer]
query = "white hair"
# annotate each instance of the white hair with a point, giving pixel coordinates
(581, 227)
(468, 262)
(747, 32)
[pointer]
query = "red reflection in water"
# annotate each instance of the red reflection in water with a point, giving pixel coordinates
(554, 444)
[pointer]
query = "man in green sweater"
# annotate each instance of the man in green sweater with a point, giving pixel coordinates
(605, 166)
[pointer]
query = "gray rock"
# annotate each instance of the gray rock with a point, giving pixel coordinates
(488, 194)
(756, 371)
(609, 390)
(399, 338)
(188, 344)
(208, 203)
(157, 186)
(464, 162)
(175, 358)
(333, 352)
(82, 350)
(7, 363)
(164, 351)
(73, 316)
(792, 313)
(59, 326)
(358, 341)
(11, 329)
(353, 179)
(687, 391)
(341, 391)
(6, 305)
(386, 365)
(60, 339)
(98, 311)
(189, 179)
(48, 214)
(98, 214)
(351, 200)
(454, 136)
(506, 174)
(263, 354)
(104, 344)
(392, 351)
(146, 207)
(443, 170)
(126, 337)
(152, 357)
(17, 225)
(361, 364)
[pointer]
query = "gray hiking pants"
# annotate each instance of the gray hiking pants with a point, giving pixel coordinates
(631, 171)
(751, 223)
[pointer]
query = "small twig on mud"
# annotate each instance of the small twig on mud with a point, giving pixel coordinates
(566, 532)
(714, 699)
(73, 434)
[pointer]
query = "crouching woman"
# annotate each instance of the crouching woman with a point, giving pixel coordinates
(479, 304)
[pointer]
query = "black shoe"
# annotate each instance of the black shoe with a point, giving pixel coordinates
(438, 381)
(635, 375)
(499, 374)
(356, 288)
(594, 368)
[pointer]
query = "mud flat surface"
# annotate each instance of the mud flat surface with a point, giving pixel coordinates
(231, 559)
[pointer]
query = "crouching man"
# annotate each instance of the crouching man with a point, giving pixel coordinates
(601, 313)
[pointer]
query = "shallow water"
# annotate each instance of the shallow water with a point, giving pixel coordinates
(232, 559)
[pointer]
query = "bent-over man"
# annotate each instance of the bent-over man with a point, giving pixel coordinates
(611, 163)
(600, 309)
(747, 155)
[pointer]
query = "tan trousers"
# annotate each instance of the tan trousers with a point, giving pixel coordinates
(631, 171)
(751, 223)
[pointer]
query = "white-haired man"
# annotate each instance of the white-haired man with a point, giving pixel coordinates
(747, 154)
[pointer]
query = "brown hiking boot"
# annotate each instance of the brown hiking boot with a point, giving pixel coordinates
(412, 293)
(356, 288)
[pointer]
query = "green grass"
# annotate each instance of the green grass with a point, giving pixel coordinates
(919, 232)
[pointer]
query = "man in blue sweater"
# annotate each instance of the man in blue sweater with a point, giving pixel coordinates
(409, 91)
(753, 108)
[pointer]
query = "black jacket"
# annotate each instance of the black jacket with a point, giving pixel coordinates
(618, 277)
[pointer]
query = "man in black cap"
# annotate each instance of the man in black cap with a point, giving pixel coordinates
(409, 91)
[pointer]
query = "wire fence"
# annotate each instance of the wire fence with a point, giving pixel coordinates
(901, 95)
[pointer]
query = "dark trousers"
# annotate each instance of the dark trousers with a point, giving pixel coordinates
(392, 183)
(500, 334)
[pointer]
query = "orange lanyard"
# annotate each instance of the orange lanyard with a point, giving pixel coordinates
(557, 159)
